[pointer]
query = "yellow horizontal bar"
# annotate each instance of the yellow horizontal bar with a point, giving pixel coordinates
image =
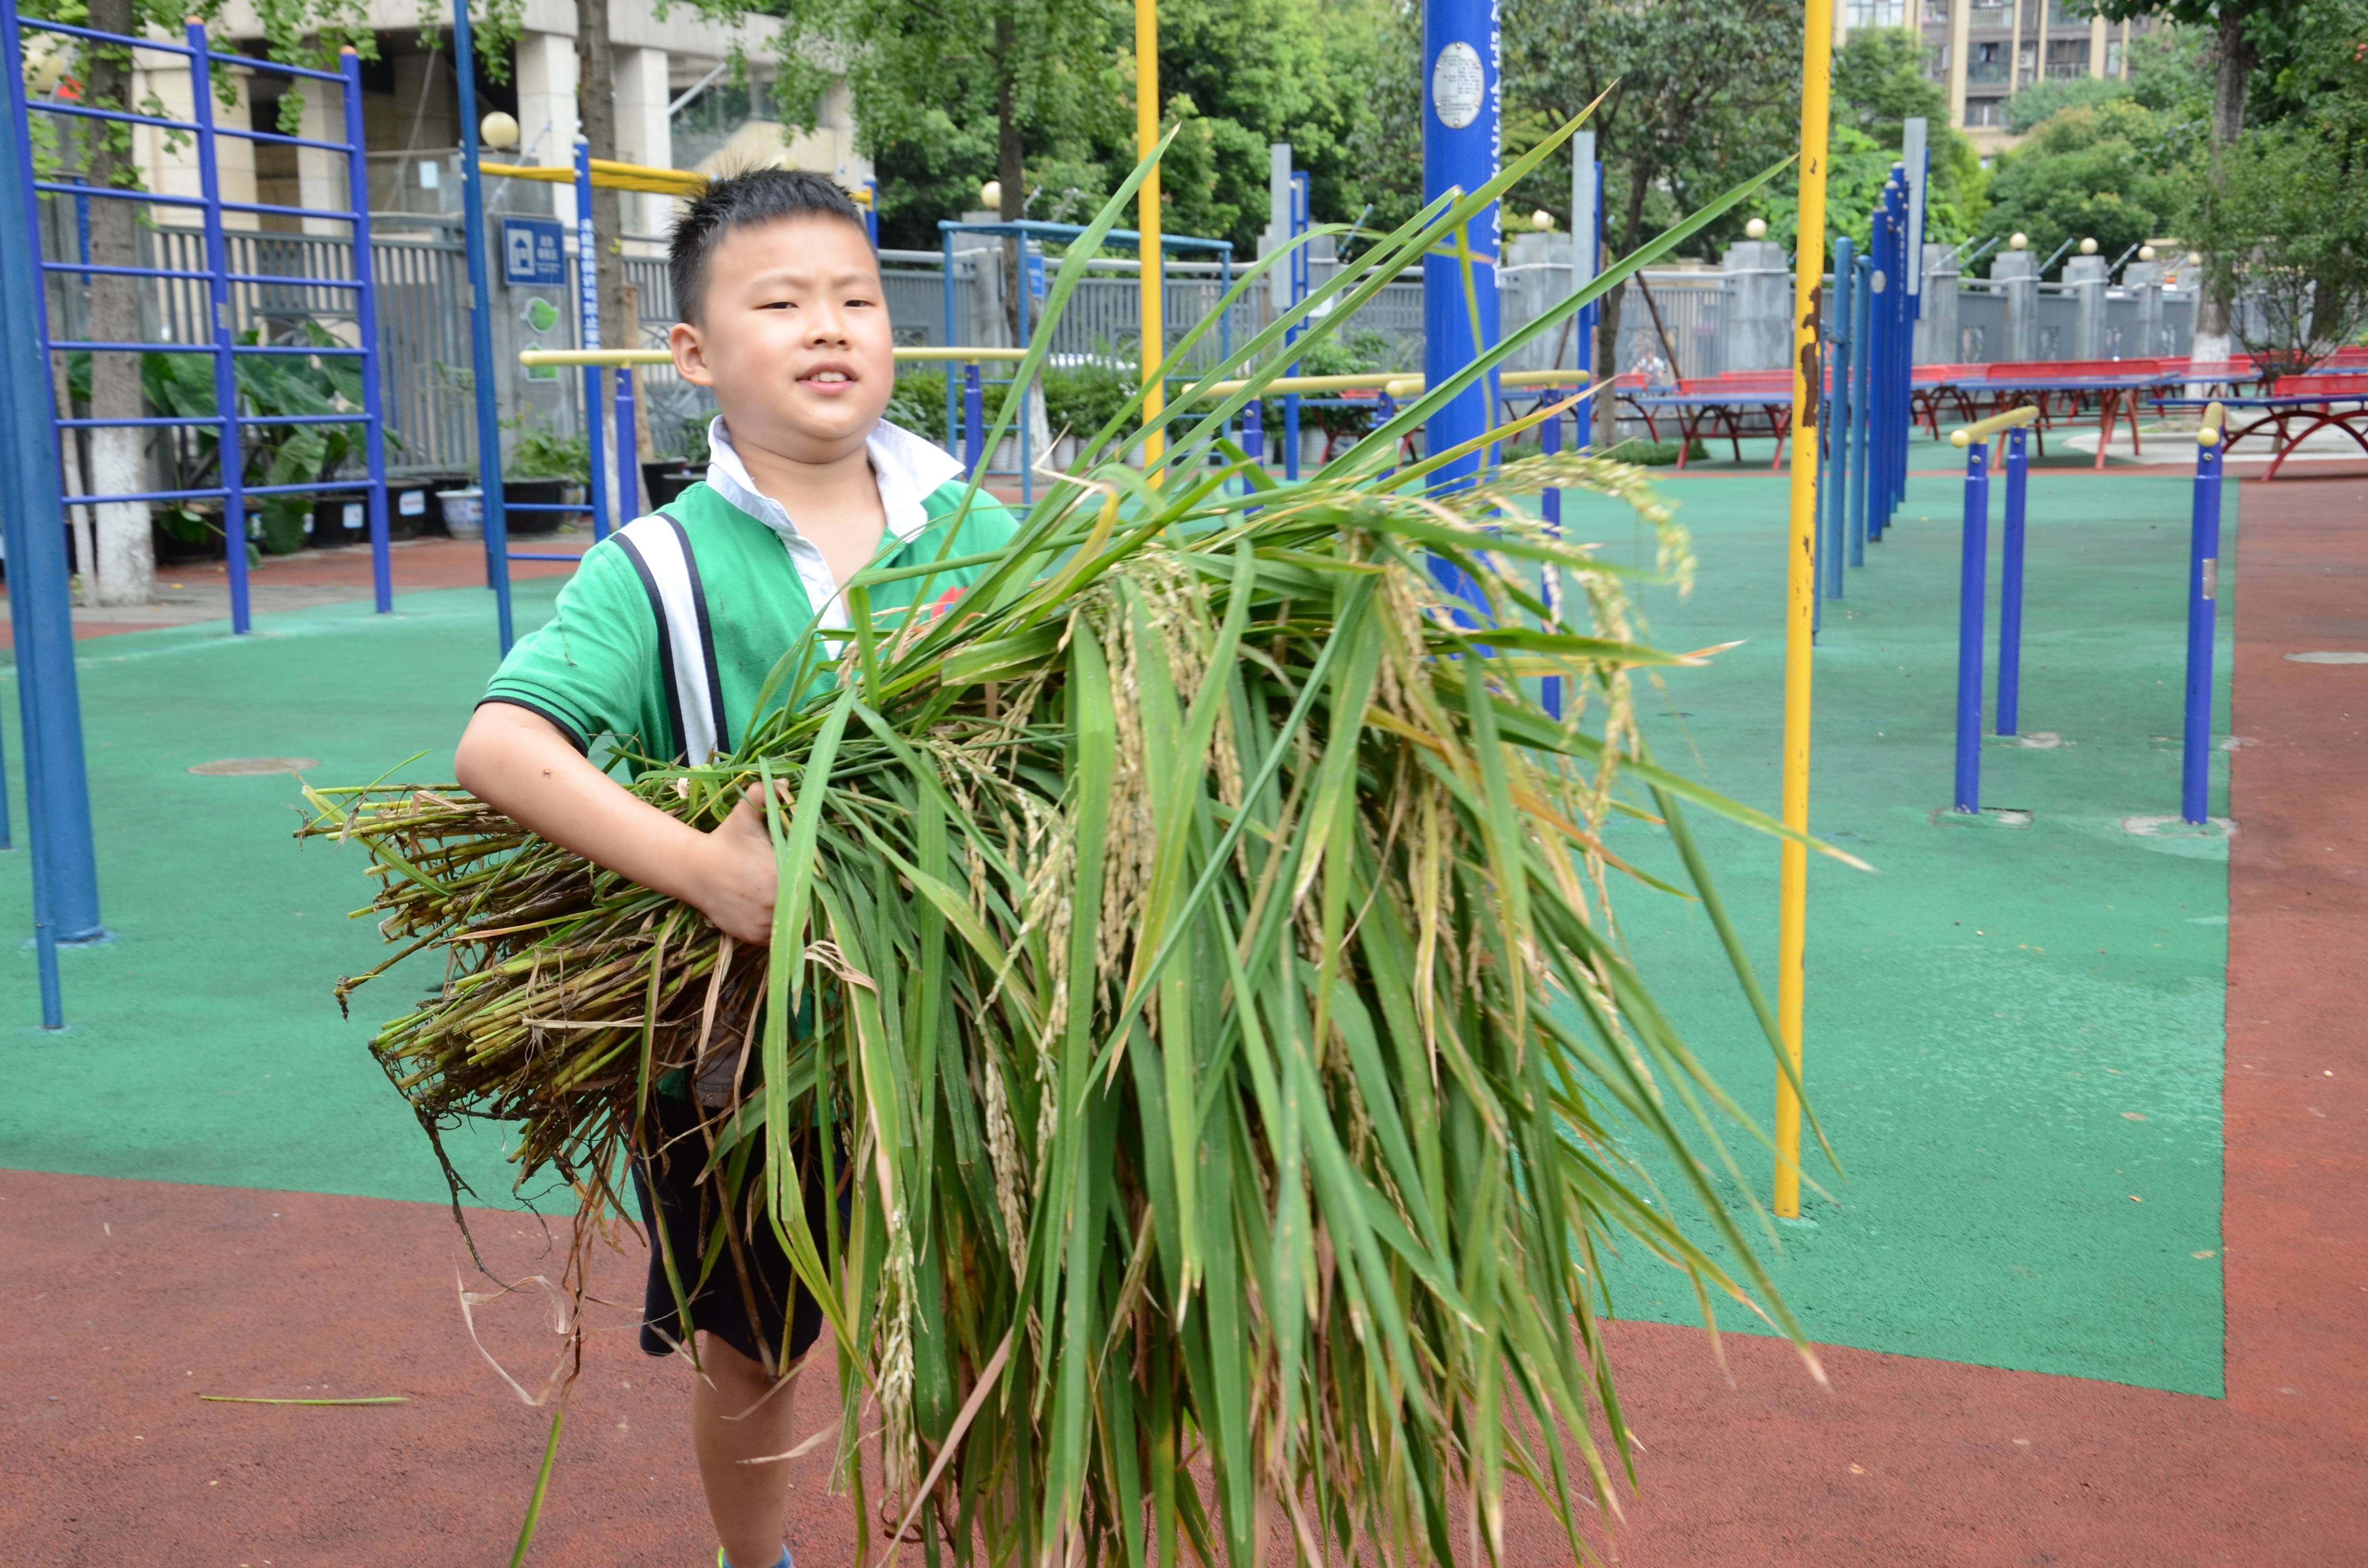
(610, 175)
(662, 356)
(1982, 429)
(1399, 384)
(2214, 420)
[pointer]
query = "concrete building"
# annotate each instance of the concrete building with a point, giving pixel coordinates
(678, 105)
(1987, 51)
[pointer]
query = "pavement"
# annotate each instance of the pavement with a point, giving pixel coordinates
(206, 1187)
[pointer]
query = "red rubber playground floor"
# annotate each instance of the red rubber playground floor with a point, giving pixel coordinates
(177, 1220)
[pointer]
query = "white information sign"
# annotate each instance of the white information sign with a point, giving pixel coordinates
(1458, 85)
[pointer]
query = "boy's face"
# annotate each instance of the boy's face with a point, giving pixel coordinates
(794, 337)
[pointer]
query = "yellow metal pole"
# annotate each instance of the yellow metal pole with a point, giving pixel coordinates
(1147, 137)
(1801, 588)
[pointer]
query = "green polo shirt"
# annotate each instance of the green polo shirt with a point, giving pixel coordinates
(598, 668)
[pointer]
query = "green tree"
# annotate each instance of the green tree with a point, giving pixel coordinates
(1693, 111)
(1878, 86)
(2051, 96)
(2285, 221)
(2104, 172)
(2237, 28)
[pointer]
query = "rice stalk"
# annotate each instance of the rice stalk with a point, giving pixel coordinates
(1218, 1031)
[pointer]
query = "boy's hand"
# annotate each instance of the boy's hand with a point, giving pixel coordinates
(520, 763)
(736, 880)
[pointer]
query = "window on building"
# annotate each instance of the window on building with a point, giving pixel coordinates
(2067, 58)
(1877, 14)
(1936, 11)
(2067, 13)
(1985, 112)
(1936, 61)
(1987, 62)
(2026, 64)
(2113, 64)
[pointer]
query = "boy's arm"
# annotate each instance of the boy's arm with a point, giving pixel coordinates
(518, 762)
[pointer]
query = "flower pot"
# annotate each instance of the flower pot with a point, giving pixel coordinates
(1065, 452)
(522, 500)
(664, 481)
(463, 512)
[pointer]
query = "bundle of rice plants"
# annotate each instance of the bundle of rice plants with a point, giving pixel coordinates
(1218, 1030)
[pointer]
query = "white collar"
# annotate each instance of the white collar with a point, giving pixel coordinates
(906, 468)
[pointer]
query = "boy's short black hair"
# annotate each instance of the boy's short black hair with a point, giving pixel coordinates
(739, 202)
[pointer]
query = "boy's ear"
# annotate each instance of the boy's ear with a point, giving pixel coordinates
(689, 355)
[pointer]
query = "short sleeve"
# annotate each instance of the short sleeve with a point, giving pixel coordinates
(592, 668)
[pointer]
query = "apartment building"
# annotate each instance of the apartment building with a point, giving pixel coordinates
(1987, 51)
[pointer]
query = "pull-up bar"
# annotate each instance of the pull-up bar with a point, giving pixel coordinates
(610, 175)
(621, 356)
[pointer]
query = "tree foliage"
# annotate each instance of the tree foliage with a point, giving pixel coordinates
(1878, 86)
(2285, 221)
(2106, 172)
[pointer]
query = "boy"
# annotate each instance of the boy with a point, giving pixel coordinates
(662, 640)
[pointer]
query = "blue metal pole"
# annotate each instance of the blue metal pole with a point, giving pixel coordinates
(587, 335)
(2203, 608)
(872, 211)
(1299, 282)
(481, 331)
(2009, 692)
(1550, 507)
(629, 455)
(365, 333)
(1459, 146)
(57, 790)
(1838, 423)
(227, 447)
(1387, 411)
(974, 421)
(1854, 485)
(1254, 432)
(1972, 567)
(1902, 340)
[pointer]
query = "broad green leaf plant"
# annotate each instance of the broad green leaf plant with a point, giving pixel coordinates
(1219, 1032)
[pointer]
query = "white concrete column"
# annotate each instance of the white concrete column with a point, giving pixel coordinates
(2097, 47)
(1960, 15)
(645, 134)
(546, 82)
(321, 176)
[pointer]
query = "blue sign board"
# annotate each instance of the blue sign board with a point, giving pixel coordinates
(1036, 276)
(531, 252)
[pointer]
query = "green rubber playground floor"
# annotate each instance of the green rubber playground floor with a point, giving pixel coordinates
(2014, 1035)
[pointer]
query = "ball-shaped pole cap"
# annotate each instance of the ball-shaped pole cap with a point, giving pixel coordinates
(1756, 230)
(2146, 252)
(1542, 221)
(990, 195)
(2194, 259)
(2087, 247)
(2017, 242)
(1960, 440)
(499, 131)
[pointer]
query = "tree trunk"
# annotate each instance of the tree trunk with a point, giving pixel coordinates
(1010, 161)
(1607, 331)
(122, 567)
(596, 111)
(2235, 57)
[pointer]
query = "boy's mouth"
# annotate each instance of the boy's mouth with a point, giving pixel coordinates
(828, 378)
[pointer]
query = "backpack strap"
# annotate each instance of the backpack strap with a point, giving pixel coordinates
(662, 556)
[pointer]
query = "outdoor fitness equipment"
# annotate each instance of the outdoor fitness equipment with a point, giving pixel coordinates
(225, 289)
(57, 800)
(2202, 596)
(1972, 572)
(1031, 294)
(2203, 612)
